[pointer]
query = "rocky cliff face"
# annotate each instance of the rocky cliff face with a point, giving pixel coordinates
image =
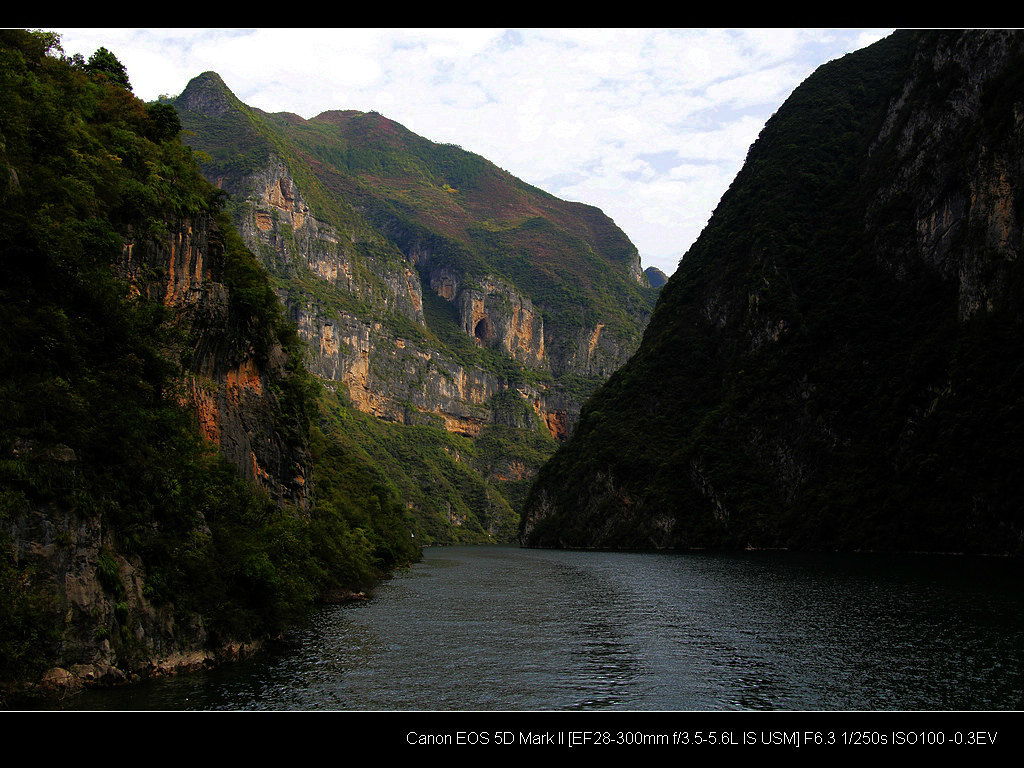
(232, 377)
(812, 376)
(959, 165)
(495, 314)
(395, 376)
(279, 226)
(94, 588)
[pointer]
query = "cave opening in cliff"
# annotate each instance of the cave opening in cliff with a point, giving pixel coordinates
(483, 329)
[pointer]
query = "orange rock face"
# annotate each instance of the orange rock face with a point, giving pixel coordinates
(185, 270)
(558, 424)
(245, 376)
(516, 470)
(205, 403)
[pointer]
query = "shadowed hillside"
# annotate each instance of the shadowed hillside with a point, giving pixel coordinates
(836, 363)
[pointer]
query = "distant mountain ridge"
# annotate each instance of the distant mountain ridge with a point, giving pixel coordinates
(836, 363)
(434, 290)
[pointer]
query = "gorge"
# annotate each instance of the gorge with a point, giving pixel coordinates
(253, 362)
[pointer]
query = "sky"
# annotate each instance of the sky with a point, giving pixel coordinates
(650, 125)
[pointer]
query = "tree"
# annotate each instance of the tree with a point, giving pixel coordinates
(162, 122)
(103, 62)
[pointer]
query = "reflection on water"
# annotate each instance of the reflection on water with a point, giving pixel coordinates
(500, 628)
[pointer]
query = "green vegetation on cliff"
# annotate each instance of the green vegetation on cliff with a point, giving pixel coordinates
(836, 362)
(96, 429)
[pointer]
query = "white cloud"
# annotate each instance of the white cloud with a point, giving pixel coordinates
(651, 125)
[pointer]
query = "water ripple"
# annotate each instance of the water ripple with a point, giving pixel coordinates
(500, 628)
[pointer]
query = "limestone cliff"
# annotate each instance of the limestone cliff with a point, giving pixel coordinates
(112, 631)
(278, 225)
(232, 376)
(495, 314)
(408, 377)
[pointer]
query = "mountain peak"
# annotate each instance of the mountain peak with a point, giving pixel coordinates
(207, 93)
(338, 115)
(367, 125)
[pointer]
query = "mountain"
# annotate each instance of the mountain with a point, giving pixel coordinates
(459, 316)
(836, 363)
(170, 493)
(655, 277)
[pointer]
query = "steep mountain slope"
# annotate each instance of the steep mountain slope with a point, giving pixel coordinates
(467, 312)
(158, 451)
(837, 361)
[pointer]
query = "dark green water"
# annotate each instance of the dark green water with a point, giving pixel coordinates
(501, 628)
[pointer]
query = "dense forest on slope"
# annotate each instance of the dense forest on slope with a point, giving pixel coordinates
(837, 361)
(467, 312)
(126, 535)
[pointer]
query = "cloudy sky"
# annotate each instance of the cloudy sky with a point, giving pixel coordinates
(650, 125)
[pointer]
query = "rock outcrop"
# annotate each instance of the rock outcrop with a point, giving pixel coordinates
(96, 588)
(231, 379)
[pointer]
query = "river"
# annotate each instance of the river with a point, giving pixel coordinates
(503, 628)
